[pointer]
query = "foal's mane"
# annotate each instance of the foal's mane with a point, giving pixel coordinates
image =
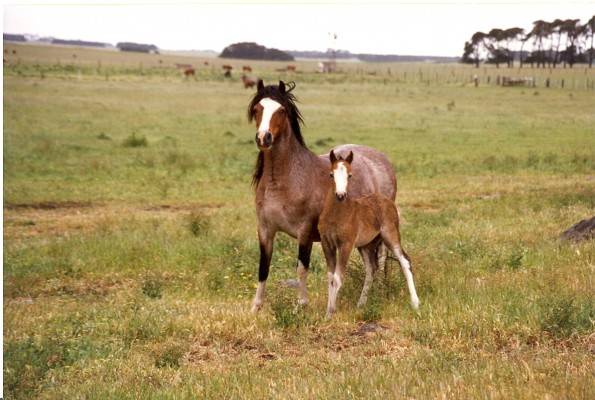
(281, 94)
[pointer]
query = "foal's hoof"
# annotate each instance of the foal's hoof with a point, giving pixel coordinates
(256, 308)
(303, 302)
(415, 304)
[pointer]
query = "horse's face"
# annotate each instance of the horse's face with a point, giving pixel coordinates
(340, 173)
(271, 121)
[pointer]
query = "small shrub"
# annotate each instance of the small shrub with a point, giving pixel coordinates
(567, 316)
(372, 311)
(287, 311)
(133, 141)
(169, 357)
(153, 287)
(198, 224)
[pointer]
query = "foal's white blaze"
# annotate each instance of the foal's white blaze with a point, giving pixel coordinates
(341, 176)
(269, 107)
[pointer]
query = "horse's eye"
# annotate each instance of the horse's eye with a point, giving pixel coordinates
(331, 174)
(282, 112)
(350, 175)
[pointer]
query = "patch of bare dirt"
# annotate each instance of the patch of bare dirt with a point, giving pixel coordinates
(29, 220)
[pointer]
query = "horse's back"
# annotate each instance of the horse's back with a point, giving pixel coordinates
(373, 172)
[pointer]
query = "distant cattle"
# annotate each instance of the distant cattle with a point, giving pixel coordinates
(227, 68)
(249, 81)
(188, 72)
(247, 68)
(291, 68)
(509, 81)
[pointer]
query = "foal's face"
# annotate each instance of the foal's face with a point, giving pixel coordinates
(340, 172)
(271, 120)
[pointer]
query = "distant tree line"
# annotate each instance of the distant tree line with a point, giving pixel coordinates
(137, 47)
(80, 43)
(253, 51)
(9, 37)
(564, 42)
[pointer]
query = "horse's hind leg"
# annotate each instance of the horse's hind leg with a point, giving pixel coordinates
(393, 241)
(368, 254)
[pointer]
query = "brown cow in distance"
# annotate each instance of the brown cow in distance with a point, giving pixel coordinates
(249, 81)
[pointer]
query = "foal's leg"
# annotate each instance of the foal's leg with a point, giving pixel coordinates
(330, 255)
(266, 251)
(368, 254)
(382, 256)
(392, 239)
(344, 253)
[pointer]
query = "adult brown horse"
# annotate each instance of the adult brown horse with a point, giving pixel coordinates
(291, 182)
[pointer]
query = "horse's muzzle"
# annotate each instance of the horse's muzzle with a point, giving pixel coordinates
(264, 141)
(341, 196)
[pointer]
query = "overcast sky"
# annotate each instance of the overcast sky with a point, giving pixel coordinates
(379, 27)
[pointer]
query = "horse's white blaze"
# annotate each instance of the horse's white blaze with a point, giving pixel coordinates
(341, 176)
(269, 107)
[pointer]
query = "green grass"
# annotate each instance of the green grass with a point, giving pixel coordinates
(130, 248)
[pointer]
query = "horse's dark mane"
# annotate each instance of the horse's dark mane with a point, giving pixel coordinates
(287, 100)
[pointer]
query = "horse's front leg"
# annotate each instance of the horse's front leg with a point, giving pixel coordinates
(303, 263)
(266, 251)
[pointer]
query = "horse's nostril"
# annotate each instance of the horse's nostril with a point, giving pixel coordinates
(268, 139)
(265, 140)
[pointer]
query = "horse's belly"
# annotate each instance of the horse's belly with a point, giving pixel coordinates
(285, 218)
(365, 239)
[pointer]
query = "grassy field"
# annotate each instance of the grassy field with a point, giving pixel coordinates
(130, 248)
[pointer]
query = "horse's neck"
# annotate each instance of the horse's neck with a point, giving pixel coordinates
(288, 161)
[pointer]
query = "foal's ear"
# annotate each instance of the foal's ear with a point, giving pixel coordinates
(349, 158)
(260, 85)
(333, 157)
(282, 87)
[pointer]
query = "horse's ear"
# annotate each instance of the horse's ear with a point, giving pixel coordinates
(282, 87)
(349, 158)
(333, 157)
(260, 85)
